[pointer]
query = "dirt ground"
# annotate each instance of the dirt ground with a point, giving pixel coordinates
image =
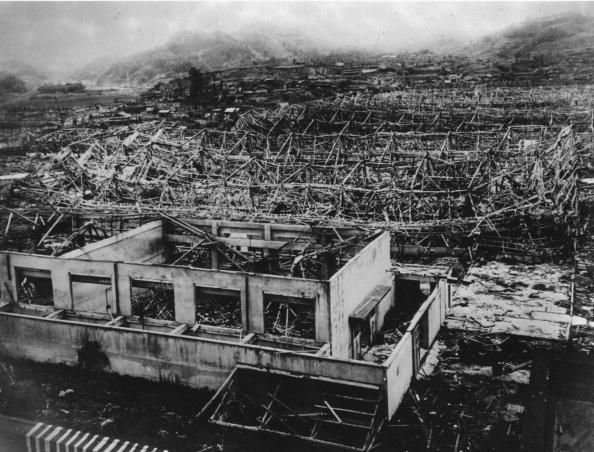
(157, 414)
(471, 399)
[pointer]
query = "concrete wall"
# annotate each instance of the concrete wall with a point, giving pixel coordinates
(445, 299)
(434, 308)
(400, 366)
(387, 304)
(270, 231)
(430, 312)
(90, 297)
(399, 373)
(196, 362)
(143, 244)
(184, 281)
(252, 287)
(434, 315)
(200, 361)
(60, 270)
(351, 284)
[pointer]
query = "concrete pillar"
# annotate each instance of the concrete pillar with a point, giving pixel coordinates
(323, 316)
(244, 304)
(214, 259)
(444, 302)
(267, 236)
(61, 287)
(115, 293)
(6, 283)
(214, 255)
(124, 295)
(256, 305)
(185, 305)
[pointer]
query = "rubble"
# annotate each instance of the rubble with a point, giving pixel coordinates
(332, 162)
(105, 403)
(461, 403)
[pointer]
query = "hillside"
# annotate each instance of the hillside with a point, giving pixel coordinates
(559, 47)
(554, 36)
(556, 48)
(207, 51)
(10, 83)
(29, 75)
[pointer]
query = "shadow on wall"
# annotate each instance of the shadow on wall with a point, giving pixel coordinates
(91, 357)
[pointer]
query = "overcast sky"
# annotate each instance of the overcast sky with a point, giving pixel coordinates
(70, 34)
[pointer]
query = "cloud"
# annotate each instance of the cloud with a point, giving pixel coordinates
(133, 23)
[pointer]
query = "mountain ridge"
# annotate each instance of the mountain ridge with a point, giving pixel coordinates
(555, 35)
(206, 51)
(541, 43)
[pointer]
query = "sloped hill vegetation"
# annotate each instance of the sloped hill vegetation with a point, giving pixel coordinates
(207, 51)
(28, 74)
(559, 48)
(553, 37)
(10, 83)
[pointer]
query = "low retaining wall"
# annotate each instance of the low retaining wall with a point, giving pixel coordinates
(196, 362)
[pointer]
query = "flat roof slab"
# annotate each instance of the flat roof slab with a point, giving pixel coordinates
(524, 300)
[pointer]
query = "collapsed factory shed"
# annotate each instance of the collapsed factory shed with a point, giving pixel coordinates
(495, 172)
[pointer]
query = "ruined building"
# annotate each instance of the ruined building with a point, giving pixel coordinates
(235, 307)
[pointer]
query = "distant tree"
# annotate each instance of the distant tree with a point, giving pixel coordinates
(77, 87)
(202, 89)
(197, 84)
(10, 83)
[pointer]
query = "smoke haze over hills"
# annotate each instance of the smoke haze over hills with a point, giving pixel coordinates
(63, 37)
